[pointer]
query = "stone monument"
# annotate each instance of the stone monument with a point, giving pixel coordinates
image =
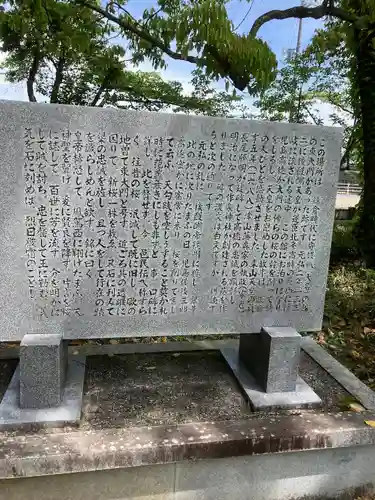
(122, 223)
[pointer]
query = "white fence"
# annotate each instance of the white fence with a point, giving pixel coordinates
(344, 188)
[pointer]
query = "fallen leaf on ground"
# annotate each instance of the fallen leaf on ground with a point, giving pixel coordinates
(371, 423)
(355, 354)
(320, 338)
(356, 407)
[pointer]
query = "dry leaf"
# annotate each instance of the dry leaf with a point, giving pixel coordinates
(320, 338)
(356, 407)
(371, 423)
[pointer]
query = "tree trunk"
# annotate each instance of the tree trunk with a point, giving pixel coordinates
(365, 231)
(31, 76)
(58, 80)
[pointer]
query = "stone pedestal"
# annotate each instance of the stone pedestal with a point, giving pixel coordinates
(43, 362)
(47, 386)
(266, 367)
(272, 357)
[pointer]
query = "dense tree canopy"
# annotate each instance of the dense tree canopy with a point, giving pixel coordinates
(304, 84)
(69, 54)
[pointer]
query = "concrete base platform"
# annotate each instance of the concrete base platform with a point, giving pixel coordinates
(178, 429)
(68, 413)
(340, 474)
(302, 397)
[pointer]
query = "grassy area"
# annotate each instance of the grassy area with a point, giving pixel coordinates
(349, 324)
(344, 247)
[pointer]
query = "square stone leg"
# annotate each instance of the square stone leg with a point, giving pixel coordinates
(265, 365)
(272, 357)
(43, 362)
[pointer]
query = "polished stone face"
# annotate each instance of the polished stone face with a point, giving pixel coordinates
(120, 223)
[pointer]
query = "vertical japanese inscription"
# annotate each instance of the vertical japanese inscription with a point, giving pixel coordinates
(127, 225)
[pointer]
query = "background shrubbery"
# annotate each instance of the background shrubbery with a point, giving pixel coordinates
(344, 246)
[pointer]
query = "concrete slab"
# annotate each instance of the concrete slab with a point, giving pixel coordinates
(160, 389)
(302, 397)
(46, 453)
(68, 413)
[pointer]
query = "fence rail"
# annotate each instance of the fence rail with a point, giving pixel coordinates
(346, 188)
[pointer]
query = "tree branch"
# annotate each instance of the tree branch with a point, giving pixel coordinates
(126, 12)
(343, 108)
(316, 121)
(349, 146)
(303, 12)
(152, 16)
(127, 25)
(158, 102)
(31, 77)
(58, 80)
(139, 98)
(100, 91)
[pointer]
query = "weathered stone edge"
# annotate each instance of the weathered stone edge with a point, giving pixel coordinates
(342, 375)
(133, 348)
(61, 452)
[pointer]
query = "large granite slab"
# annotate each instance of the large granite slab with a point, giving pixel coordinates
(121, 223)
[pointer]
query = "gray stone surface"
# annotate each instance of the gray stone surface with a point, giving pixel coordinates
(272, 357)
(316, 475)
(156, 418)
(160, 389)
(339, 474)
(224, 225)
(302, 397)
(326, 387)
(43, 363)
(69, 411)
(139, 483)
(345, 377)
(342, 474)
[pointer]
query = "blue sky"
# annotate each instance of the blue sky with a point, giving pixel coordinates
(280, 35)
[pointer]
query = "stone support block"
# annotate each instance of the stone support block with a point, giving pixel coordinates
(43, 359)
(272, 357)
